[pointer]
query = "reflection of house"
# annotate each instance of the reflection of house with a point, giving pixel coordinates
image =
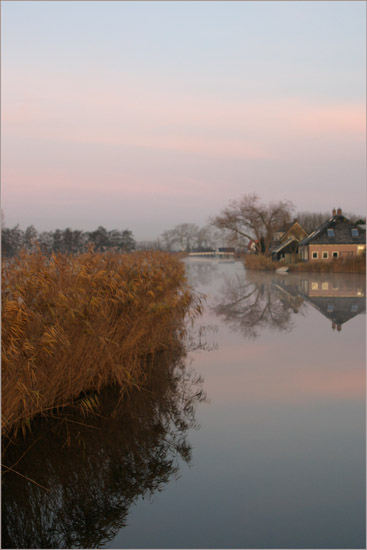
(337, 297)
(285, 243)
(336, 238)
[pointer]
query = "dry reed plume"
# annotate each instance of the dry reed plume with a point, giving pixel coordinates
(72, 324)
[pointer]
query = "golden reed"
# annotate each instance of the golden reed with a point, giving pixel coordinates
(72, 324)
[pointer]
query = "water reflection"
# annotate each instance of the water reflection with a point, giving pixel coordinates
(336, 296)
(78, 476)
(256, 301)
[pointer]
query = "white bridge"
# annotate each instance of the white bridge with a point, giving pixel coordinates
(214, 253)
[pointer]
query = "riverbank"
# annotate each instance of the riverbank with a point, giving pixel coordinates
(265, 263)
(72, 324)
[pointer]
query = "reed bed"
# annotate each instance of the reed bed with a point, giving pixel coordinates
(73, 324)
(352, 265)
(261, 263)
(340, 265)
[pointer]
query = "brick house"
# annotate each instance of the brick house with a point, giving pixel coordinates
(337, 237)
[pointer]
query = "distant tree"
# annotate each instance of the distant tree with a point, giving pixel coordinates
(248, 219)
(12, 241)
(30, 238)
(99, 238)
(46, 241)
(57, 245)
(312, 220)
(149, 245)
(182, 237)
(128, 243)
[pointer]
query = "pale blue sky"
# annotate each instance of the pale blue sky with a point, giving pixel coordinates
(146, 114)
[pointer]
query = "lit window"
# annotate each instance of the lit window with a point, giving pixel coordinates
(330, 233)
(315, 255)
(325, 255)
(335, 254)
(314, 286)
(325, 286)
(355, 233)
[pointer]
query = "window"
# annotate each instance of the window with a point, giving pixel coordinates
(325, 255)
(325, 286)
(335, 254)
(354, 308)
(315, 255)
(330, 308)
(314, 286)
(355, 232)
(330, 233)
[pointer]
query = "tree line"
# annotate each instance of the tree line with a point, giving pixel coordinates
(243, 220)
(64, 241)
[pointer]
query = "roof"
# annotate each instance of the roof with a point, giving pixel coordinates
(283, 245)
(342, 233)
(338, 310)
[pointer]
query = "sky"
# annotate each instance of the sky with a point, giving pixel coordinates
(144, 115)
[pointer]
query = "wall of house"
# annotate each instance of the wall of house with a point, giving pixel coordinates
(344, 251)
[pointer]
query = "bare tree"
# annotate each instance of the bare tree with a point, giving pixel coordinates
(249, 219)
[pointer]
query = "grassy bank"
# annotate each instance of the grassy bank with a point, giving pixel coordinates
(72, 324)
(265, 263)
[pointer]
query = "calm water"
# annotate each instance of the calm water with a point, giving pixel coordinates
(256, 439)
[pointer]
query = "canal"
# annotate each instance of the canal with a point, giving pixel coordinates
(254, 438)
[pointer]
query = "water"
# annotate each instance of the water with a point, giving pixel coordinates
(272, 457)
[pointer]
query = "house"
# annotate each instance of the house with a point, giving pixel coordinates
(337, 237)
(286, 241)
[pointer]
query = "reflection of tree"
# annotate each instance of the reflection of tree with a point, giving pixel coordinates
(255, 304)
(89, 470)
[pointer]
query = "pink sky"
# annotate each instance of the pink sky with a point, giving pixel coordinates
(146, 142)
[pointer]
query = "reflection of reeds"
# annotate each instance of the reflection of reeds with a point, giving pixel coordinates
(94, 466)
(76, 323)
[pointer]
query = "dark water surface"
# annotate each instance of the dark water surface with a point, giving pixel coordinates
(257, 439)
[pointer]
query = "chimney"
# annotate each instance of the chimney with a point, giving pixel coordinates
(334, 212)
(339, 212)
(333, 325)
(338, 328)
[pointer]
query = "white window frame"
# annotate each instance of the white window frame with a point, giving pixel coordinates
(335, 255)
(325, 255)
(315, 255)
